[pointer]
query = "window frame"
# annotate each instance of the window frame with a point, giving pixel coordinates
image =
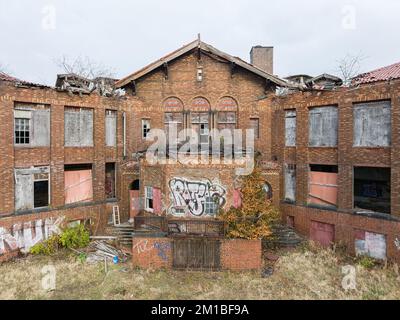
(146, 128)
(149, 198)
(256, 136)
(18, 119)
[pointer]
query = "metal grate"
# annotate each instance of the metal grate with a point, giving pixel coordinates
(200, 228)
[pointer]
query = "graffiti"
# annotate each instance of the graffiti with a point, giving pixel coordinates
(162, 249)
(24, 236)
(196, 198)
(397, 243)
(143, 246)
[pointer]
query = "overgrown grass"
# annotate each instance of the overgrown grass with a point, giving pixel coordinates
(305, 273)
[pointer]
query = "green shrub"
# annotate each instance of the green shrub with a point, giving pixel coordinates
(75, 237)
(47, 247)
(367, 262)
(71, 238)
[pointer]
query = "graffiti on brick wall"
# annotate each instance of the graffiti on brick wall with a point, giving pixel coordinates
(23, 236)
(397, 243)
(196, 198)
(162, 248)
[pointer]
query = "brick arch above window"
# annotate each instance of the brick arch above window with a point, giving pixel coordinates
(200, 104)
(173, 104)
(227, 103)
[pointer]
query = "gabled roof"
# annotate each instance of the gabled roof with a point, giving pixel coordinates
(382, 74)
(205, 48)
(326, 76)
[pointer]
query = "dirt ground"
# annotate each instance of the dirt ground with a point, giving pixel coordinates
(303, 273)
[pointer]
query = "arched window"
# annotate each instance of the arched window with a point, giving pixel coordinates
(200, 118)
(227, 113)
(173, 116)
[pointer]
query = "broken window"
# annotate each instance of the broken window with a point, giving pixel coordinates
(78, 184)
(78, 127)
(372, 189)
(323, 185)
(290, 128)
(31, 188)
(200, 123)
(149, 199)
(111, 128)
(173, 121)
(323, 127)
(145, 128)
(372, 124)
(227, 120)
(31, 125)
(370, 244)
(290, 182)
(110, 185)
(255, 125)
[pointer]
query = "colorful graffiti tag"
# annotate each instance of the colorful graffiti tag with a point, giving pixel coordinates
(196, 198)
(23, 236)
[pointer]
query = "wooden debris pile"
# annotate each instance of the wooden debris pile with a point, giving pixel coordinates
(99, 251)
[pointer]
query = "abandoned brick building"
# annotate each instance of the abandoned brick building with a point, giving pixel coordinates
(328, 152)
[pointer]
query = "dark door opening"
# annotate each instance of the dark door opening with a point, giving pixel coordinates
(41, 194)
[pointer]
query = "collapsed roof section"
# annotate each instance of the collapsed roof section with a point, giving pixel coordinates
(208, 49)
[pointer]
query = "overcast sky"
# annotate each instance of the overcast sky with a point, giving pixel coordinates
(308, 36)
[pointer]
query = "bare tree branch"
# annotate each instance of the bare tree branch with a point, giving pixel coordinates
(350, 66)
(84, 67)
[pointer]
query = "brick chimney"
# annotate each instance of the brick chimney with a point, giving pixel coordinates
(263, 58)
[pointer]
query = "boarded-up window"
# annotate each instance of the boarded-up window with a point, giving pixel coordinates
(372, 189)
(323, 185)
(255, 125)
(237, 198)
(111, 128)
(370, 244)
(32, 125)
(323, 127)
(31, 188)
(78, 127)
(227, 120)
(78, 184)
(290, 128)
(290, 182)
(110, 181)
(372, 124)
(322, 233)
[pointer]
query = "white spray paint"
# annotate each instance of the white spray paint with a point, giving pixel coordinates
(25, 236)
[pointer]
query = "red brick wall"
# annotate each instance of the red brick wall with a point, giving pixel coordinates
(154, 253)
(240, 255)
(345, 226)
(236, 255)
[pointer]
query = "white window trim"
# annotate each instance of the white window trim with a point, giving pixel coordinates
(149, 195)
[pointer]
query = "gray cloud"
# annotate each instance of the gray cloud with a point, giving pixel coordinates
(308, 36)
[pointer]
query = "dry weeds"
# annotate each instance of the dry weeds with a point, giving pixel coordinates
(305, 273)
